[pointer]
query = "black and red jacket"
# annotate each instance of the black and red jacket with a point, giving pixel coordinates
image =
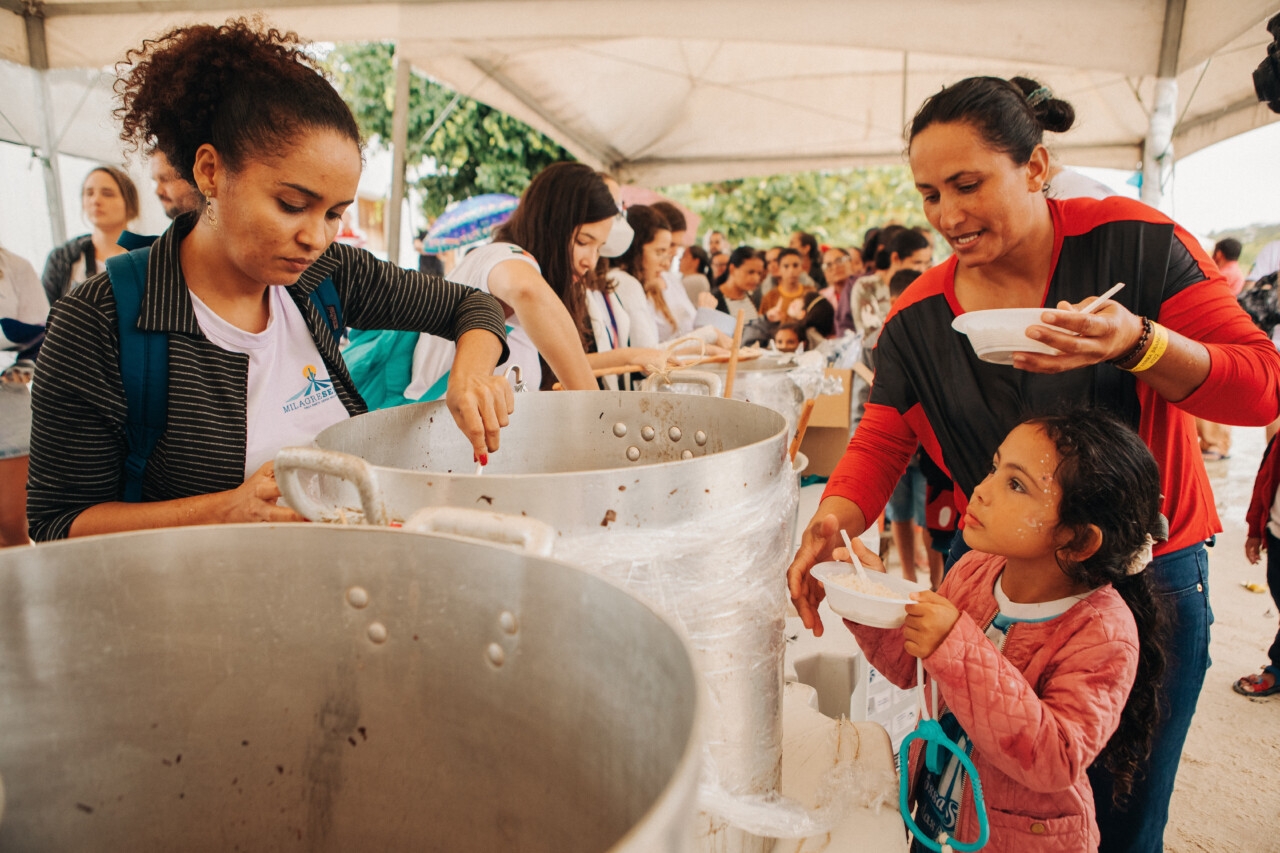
(931, 388)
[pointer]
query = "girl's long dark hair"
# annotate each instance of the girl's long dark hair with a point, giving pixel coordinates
(558, 200)
(1109, 479)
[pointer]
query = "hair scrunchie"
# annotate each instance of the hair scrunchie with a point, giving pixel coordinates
(1039, 96)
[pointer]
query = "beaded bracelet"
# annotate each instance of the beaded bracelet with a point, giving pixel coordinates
(1137, 348)
(1159, 343)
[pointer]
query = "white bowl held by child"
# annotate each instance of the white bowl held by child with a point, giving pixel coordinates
(996, 334)
(880, 601)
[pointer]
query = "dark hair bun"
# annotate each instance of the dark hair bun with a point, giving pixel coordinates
(1054, 114)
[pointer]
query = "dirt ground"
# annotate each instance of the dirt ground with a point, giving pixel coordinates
(1228, 787)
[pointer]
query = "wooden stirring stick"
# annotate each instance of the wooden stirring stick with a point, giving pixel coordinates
(732, 370)
(801, 426)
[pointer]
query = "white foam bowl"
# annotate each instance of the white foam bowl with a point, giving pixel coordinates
(996, 334)
(866, 609)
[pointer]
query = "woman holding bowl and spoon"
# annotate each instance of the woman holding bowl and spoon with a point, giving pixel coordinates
(1171, 345)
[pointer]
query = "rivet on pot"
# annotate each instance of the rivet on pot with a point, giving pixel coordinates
(647, 433)
(633, 453)
(378, 632)
(497, 655)
(358, 597)
(700, 438)
(686, 454)
(507, 621)
(619, 429)
(674, 433)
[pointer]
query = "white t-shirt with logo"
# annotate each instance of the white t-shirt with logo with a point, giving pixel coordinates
(432, 357)
(290, 396)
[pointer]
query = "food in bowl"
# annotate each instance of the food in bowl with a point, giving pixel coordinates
(866, 586)
(997, 333)
(880, 601)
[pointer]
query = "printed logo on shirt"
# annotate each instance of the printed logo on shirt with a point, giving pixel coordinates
(516, 250)
(316, 392)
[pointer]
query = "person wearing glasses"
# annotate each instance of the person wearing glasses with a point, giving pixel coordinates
(838, 267)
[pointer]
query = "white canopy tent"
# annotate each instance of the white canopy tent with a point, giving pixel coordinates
(662, 92)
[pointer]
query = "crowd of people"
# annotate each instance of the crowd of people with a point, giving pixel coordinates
(1078, 582)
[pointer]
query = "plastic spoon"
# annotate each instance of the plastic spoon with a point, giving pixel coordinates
(1097, 303)
(853, 558)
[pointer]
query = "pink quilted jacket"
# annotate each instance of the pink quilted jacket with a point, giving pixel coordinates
(1038, 714)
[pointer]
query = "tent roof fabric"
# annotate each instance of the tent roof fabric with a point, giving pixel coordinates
(660, 91)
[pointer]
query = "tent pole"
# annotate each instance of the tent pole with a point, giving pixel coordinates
(1157, 150)
(399, 139)
(38, 58)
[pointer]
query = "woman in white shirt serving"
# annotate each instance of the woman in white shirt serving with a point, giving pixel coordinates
(253, 361)
(538, 267)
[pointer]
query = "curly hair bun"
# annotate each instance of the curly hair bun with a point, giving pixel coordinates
(243, 87)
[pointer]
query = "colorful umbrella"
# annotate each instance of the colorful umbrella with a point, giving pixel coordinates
(469, 221)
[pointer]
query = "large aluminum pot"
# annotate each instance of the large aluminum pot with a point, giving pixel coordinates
(572, 459)
(765, 381)
(325, 688)
(687, 500)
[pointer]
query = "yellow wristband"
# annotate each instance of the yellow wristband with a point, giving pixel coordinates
(1159, 343)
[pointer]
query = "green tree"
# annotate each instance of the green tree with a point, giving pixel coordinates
(476, 150)
(836, 206)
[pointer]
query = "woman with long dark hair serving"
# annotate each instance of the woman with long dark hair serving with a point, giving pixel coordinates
(1172, 344)
(538, 266)
(253, 361)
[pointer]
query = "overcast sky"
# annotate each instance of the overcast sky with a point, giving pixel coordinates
(1229, 185)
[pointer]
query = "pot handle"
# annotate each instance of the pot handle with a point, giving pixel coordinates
(292, 461)
(710, 381)
(518, 531)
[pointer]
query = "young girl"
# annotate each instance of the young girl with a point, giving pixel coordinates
(1043, 640)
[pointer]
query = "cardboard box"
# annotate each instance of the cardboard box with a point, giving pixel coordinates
(828, 434)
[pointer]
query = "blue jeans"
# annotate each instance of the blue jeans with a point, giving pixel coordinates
(1182, 581)
(907, 501)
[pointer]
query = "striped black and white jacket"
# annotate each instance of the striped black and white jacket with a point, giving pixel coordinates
(78, 445)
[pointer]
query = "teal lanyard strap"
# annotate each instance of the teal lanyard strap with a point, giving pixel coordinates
(934, 737)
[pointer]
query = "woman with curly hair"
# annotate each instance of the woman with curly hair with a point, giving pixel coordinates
(241, 112)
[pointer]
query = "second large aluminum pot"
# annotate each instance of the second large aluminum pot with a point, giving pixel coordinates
(317, 688)
(687, 500)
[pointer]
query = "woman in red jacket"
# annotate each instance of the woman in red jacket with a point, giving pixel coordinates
(1172, 345)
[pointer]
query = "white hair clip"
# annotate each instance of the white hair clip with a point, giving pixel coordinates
(1142, 558)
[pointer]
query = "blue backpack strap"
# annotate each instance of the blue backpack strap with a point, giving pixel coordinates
(144, 368)
(129, 240)
(325, 297)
